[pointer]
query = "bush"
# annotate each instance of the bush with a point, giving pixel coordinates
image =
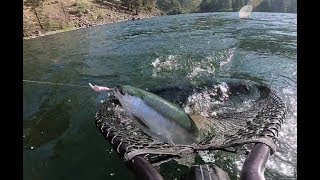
(79, 10)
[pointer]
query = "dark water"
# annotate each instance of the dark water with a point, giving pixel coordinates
(60, 138)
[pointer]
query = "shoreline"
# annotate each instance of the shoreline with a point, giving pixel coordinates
(87, 26)
(57, 16)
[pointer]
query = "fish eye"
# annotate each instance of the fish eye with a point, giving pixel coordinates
(121, 91)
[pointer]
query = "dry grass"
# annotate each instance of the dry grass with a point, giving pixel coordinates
(62, 15)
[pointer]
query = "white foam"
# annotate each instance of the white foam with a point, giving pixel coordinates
(227, 58)
(206, 156)
(203, 102)
(203, 67)
(165, 64)
(287, 91)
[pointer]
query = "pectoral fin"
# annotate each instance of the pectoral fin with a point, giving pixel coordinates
(158, 136)
(141, 122)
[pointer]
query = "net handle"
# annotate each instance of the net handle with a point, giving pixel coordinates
(255, 163)
(143, 169)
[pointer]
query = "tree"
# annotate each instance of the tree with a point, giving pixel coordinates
(137, 5)
(126, 3)
(34, 4)
(149, 4)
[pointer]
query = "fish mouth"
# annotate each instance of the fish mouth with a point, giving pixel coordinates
(119, 91)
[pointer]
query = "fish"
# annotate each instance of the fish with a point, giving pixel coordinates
(156, 116)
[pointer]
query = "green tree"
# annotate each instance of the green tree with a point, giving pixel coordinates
(149, 4)
(127, 4)
(137, 5)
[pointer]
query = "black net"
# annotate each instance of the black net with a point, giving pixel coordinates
(242, 114)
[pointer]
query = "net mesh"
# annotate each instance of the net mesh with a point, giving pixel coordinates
(242, 114)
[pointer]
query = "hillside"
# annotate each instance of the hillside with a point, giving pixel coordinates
(200, 6)
(41, 17)
(51, 16)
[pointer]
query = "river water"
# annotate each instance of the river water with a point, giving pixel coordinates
(60, 139)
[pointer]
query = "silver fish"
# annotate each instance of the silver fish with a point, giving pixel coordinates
(157, 117)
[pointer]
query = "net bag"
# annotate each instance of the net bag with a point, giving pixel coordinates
(242, 112)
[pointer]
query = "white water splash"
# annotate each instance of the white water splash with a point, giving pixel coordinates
(287, 91)
(207, 156)
(228, 58)
(239, 162)
(284, 160)
(203, 102)
(203, 67)
(223, 87)
(170, 63)
(281, 167)
(195, 69)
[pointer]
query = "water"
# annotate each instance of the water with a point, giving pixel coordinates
(60, 139)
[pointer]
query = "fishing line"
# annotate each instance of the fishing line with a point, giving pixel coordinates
(46, 82)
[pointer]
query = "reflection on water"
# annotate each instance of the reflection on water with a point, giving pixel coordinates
(60, 138)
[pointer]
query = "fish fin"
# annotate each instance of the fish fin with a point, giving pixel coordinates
(199, 121)
(204, 125)
(141, 121)
(159, 136)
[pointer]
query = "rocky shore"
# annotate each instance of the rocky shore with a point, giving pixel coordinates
(55, 16)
